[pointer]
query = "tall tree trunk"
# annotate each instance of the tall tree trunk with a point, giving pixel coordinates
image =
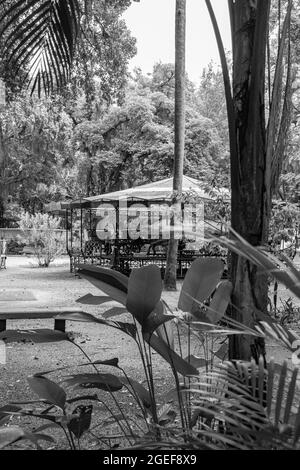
(179, 130)
(250, 184)
(3, 157)
(3, 188)
(253, 159)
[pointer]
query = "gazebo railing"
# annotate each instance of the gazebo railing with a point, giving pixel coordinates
(127, 262)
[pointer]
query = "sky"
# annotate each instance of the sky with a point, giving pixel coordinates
(152, 23)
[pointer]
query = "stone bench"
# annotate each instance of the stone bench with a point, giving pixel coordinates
(28, 313)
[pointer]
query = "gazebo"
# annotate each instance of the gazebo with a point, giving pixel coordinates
(131, 227)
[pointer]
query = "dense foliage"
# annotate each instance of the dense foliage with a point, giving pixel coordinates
(66, 147)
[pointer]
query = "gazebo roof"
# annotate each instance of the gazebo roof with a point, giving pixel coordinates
(151, 192)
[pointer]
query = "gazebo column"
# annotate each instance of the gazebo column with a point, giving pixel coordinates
(116, 250)
(81, 220)
(71, 228)
(67, 230)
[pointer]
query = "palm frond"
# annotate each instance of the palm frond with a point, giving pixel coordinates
(285, 272)
(40, 37)
(270, 327)
(280, 113)
(253, 407)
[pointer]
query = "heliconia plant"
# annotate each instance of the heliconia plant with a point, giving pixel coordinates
(152, 328)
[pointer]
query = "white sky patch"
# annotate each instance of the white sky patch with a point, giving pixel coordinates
(152, 23)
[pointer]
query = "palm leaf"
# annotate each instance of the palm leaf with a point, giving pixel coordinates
(287, 275)
(257, 407)
(40, 37)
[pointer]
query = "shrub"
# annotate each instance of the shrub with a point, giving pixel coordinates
(42, 233)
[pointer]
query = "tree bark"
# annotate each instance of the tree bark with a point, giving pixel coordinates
(250, 184)
(3, 186)
(179, 131)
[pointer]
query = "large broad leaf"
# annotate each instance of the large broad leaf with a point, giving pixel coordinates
(127, 328)
(9, 435)
(81, 423)
(107, 382)
(84, 317)
(35, 437)
(48, 390)
(114, 312)
(162, 324)
(200, 282)
(166, 332)
(111, 282)
(156, 319)
(196, 361)
(113, 362)
(90, 299)
(40, 36)
(139, 389)
(47, 426)
(144, 292)
(219, 303)
(54, 418)
(4, 412)
(179, 364)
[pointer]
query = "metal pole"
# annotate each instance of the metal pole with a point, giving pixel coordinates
(71, 228)
(116, 253)
(67, 231)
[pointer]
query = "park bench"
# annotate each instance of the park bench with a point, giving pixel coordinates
(28, 250)
(29, 313)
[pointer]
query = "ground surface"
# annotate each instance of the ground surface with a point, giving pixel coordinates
(29, 353)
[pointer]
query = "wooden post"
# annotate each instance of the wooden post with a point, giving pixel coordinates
(60, 325)
(2, 325)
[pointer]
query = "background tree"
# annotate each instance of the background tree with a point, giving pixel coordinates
(211, 100)
(98, 61)
(134, 143)
(37, 139)
(54, 152)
